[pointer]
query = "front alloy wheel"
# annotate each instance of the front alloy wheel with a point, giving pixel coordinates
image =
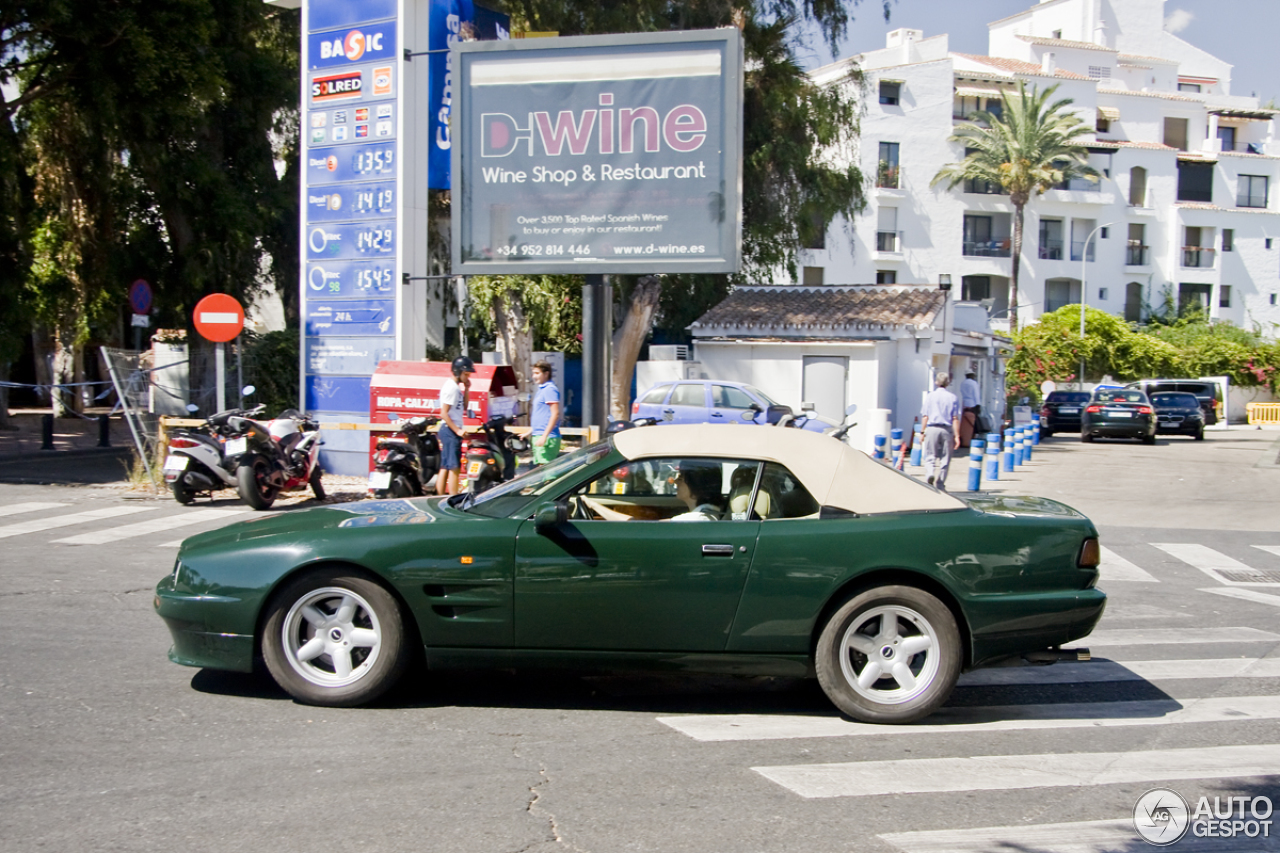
(334, 638)
(889, 655)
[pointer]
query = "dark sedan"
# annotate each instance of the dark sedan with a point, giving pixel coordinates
(1119, 413)
(1179, 414)
(1061, 412)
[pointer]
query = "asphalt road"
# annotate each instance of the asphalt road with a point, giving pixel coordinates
(107, 746)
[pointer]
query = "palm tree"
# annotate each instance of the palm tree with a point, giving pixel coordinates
(1026, 150)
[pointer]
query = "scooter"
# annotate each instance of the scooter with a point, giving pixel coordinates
(274, 456)
(405, 468)
(196, 462)
(492, 459)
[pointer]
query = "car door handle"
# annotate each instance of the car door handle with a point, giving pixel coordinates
(717, 414)
(717, 550)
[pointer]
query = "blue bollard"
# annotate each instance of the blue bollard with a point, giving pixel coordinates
(1026, 444)
(993, 456)
(1019, 448)
(975, 464)
(917, 450)
(1009, 454)
(1031, 443)
(1035, 433)
(895, 436)
(879, 451)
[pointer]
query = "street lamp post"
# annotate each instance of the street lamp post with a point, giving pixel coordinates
(1084, 293)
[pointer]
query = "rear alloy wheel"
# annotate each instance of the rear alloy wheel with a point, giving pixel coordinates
(334, 638)
(889, 655)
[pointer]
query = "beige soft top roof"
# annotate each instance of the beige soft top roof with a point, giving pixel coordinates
(833, 472)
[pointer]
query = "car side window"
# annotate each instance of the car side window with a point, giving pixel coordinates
(687, 394)
(728, 397)
(786, 497)
(668, 489)
(657, 395)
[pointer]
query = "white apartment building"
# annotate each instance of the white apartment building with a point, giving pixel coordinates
(1186, 200)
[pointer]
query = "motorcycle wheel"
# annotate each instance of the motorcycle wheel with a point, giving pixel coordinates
(251, 483)
(401, 487)
(317, 483)
(182, 493)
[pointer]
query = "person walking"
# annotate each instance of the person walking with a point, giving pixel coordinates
(941, 419)
(970, 403)
(545, 420)
(453, 408)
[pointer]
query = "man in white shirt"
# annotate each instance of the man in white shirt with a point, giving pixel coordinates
(453, 408)
(970, 402)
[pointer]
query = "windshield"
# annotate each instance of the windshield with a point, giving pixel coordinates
(1119, 397)
(534, 482)
(768, 401)
(1068, 397)
(1186, 401)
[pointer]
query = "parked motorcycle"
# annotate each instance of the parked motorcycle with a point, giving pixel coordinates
(404, 468)
(491, 458)
(274, 456)
(197, 462)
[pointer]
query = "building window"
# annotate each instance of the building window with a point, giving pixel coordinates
(1194, 295)
(1273, 299)
(1051, 239)
(1099, 72)
(975, 288)
(1175, 133)
(887, 171)
(886, 277)
(1224, 296)
(812, 275)
(1251, 191)
(1188, 87)
(818, 233)
(1057, 34)
(1102, 294)
(890, 92)
(1195, 182)
(1228, 240)
(1103, 124)
(1268, 243)
(1104, 232)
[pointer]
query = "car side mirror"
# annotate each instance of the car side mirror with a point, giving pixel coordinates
(776, 413)
(551, 515)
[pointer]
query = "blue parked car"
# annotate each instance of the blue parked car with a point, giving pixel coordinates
(714, 402)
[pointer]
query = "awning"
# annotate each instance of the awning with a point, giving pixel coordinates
(1253, 115)
(977, 92)
(1109, 113)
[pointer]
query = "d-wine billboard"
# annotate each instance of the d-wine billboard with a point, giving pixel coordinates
(598, 154)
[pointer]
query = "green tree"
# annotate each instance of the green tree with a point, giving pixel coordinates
(1031, 147)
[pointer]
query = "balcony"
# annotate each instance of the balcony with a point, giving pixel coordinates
(1243, 147)
(889, 242)
(984, 188)
(888, 176)
(1050, 250)
(987, 248)
(1137, 256)
(1082, 252)
(1197, 257)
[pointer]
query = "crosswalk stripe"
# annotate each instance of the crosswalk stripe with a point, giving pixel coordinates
(30, 506)
(1176, 636)
(155, 525)
(1246, 595)
(1008, 772)
(1095, 836)
(991, 718)
(37, 525)
(1135, 670)
(1117, 568)
(1207, 560)
(1270, 549)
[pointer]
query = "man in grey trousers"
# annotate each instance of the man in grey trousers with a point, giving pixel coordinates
(941, 420)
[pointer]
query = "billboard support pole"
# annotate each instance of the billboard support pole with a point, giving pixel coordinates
(597, 298)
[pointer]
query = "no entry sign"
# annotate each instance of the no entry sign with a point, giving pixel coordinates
(219, 318)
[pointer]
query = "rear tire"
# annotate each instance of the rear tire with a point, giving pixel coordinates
(335, 638)
(400, 487)
(251, 483)
(890, 654)
(1148, 439)
(317, 483)
(1085, 437)
(1045, 432)
(181, 493)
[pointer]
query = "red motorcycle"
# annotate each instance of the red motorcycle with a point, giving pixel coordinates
(274, 456)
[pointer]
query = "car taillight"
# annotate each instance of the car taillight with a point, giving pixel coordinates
(381, 456)
(1090, 554)
(1144, 410)
(1045, 412)
(635, 407)
(1093, 409)
(183, 441)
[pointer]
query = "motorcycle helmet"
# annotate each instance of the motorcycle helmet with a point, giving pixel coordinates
(462, 364)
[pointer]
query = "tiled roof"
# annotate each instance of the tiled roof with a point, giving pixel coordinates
(1198, 205)
(1077, 45)
(1168, 96)
(1017, 66)
(1122, 143)
(781, 307)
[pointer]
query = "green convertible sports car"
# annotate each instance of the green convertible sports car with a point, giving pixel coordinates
(759, 551)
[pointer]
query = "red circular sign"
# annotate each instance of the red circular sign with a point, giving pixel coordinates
(219, 318)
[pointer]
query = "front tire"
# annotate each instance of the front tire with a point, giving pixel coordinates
(253, 484)
(890, 654)
(1199, 436)
(334, 638)
(316, 482)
